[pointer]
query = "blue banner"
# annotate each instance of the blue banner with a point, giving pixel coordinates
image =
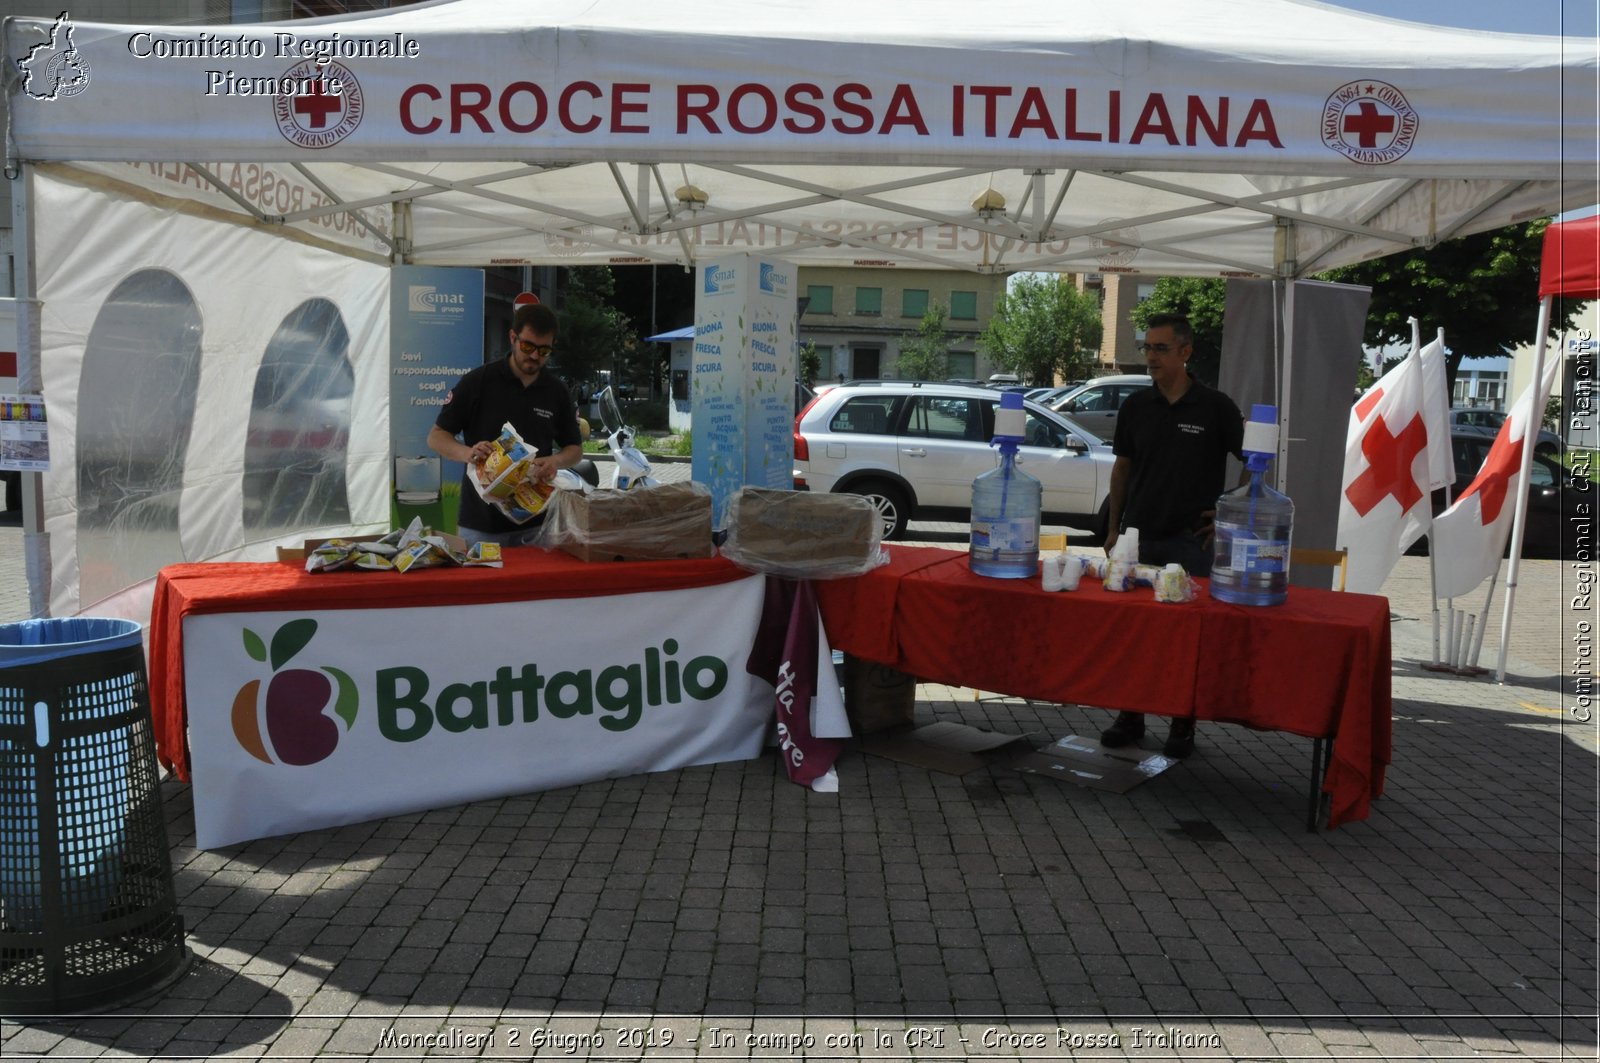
(436, 335)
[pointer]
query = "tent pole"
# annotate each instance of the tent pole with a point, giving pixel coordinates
(1530, 435)
(30, 381)
(1286, 264)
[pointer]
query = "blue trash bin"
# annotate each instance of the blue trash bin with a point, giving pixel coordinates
(88, 915)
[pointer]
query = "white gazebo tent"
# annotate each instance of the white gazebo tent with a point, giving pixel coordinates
(1253, 138)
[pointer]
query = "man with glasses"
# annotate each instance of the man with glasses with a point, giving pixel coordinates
(515, 389)
(1171, 444)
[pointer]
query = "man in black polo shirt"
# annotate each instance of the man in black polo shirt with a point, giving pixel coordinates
(1171, 445)
(514, 389)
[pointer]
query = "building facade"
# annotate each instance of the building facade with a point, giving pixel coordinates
(859, 317)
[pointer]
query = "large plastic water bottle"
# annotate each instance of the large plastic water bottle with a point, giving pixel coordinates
(1250, 565)
(1006, 504)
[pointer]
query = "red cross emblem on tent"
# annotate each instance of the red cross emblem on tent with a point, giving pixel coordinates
(1369, 122)
(321, 104)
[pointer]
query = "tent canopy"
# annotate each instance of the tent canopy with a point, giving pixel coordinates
(1569, 261)
(1235, 137)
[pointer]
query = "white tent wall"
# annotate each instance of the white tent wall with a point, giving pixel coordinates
(244, 284)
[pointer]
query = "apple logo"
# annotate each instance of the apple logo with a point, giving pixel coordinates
(297, 729)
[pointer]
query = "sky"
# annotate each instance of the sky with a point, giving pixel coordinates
(1573, 18)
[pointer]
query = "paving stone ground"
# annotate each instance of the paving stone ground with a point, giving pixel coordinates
(722, 912)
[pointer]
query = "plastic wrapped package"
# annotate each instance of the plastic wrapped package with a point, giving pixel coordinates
(803, 535)
(641, 524)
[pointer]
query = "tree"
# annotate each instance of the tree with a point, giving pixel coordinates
(1483, 290)
(809, 362)
(1042, 328)
(925, 353)
(1201, 300)
(594, 334)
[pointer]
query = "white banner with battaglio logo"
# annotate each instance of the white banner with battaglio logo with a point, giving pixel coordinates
(299, 721)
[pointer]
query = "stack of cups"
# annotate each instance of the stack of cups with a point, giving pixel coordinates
(1124, 555)
(1061, 572)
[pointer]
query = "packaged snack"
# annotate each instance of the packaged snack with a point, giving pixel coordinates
(506, 478)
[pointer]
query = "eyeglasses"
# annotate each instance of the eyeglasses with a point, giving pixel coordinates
(1157, 348)
(544, 350)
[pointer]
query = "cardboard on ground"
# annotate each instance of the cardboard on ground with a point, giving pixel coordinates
(1088, 763)
(953, 748)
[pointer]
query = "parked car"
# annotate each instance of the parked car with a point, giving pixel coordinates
(1560, 505)
(914, 448)
(1094, 404)
(1045, 396)
(1478, 420)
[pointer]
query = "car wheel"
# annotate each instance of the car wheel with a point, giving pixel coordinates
(890, 502)
(1548, 449)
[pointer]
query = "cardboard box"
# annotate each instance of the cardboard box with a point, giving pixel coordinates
(660, 523)
(802, 534)
(877, 697)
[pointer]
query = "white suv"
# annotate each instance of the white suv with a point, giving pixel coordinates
(913, 448)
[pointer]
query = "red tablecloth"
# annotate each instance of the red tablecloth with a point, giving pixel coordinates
(530, 573)
(1318, 665)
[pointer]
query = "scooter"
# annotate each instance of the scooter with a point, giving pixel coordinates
(630, 467)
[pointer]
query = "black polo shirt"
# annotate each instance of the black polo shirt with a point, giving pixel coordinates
(1180, 454)
(486, 398)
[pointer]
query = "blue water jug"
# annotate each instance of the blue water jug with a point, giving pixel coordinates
(1006, 505)
(1250, 559)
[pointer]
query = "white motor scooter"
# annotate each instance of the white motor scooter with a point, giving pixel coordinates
(630, 467)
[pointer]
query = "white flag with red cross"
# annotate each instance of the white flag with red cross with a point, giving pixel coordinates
(1470, 537)
(1384, 505)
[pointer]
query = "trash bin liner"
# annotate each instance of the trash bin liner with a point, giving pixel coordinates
(88, 913)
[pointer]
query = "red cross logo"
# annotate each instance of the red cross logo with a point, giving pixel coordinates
(1493, 481)
(1389, 459)
(318, 104)
(1368, 123)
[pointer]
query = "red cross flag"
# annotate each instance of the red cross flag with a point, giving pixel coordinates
(1384, 506)
(1470, 537)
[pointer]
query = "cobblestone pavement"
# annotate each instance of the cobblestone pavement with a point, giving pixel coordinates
(723, 912)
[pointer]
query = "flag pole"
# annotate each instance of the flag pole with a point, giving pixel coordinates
(1477, 644)
(1530, 436)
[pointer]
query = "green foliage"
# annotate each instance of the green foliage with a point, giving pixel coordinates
(647, 415)
(925, 353)
(594, 334)
(809, 362)
(1483, 290)
(1202, 300)
(1042, 328)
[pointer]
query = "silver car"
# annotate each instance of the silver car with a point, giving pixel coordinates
(913, 448)
(1094, 404)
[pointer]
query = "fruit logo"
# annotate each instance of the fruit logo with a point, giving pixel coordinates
(297, 731)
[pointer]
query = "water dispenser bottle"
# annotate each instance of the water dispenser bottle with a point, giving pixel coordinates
(1005, 504)
(1254, 524)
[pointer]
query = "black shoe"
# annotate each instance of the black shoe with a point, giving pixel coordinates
(1180, 740)
(1125, 730)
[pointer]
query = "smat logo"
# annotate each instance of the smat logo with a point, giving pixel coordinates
(296, 729)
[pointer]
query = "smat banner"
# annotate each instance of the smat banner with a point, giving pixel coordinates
(306, 720)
